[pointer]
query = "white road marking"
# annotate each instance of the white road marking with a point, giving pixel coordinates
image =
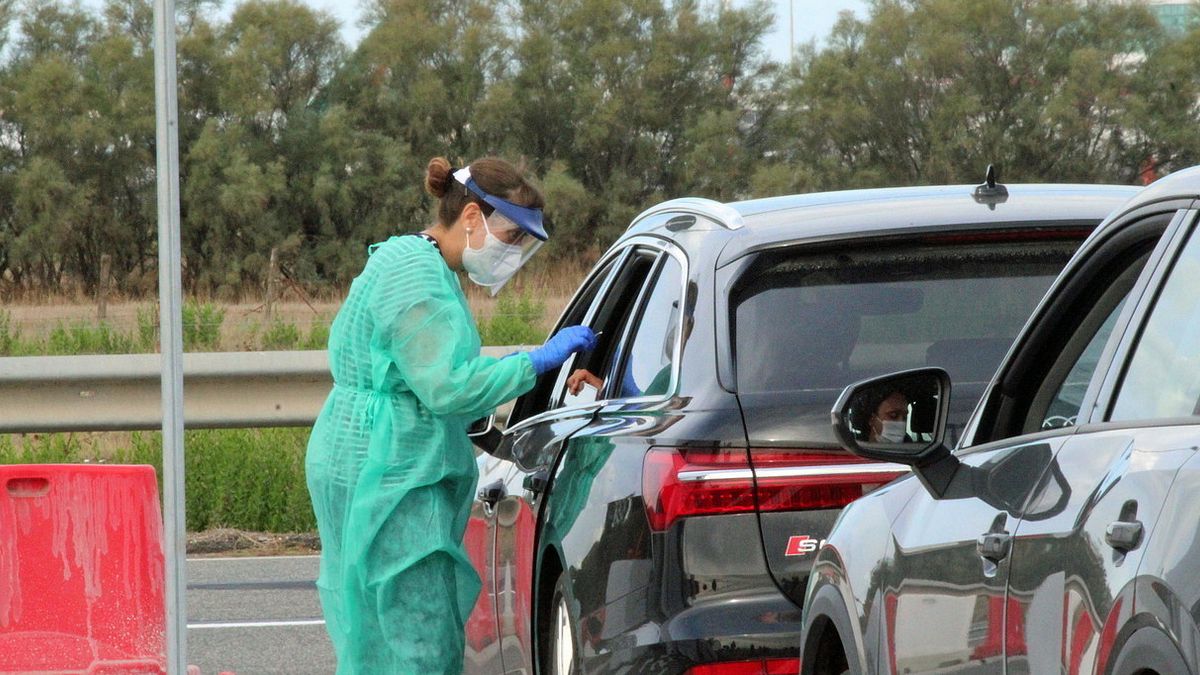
(257, 624)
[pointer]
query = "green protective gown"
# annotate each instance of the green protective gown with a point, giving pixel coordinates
(390, 469)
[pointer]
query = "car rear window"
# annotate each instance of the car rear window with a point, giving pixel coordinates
(807, 321)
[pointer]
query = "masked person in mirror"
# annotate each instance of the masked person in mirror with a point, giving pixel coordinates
(390, 469)
(883, 418)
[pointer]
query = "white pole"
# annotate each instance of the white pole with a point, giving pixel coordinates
(792, 31)
(170, 293)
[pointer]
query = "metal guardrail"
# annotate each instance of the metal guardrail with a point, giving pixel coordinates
(123, 392)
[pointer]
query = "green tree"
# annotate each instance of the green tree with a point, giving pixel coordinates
(1162, 107)
(630, 99)
(933, 90)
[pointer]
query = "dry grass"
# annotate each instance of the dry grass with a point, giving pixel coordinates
(35, 317)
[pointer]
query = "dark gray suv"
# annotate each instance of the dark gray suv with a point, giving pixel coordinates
(666, 520)
(1061, 535)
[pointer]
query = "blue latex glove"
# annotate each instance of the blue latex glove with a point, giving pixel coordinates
(559, 348)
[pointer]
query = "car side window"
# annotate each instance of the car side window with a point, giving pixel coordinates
(1044, 384)
(649, 362)
(1163, 379)
(1065, 406)
(540, 398)
(1059, 399)
(610, 321)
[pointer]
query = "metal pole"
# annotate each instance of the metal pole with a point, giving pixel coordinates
(792, 31)
(170, 291)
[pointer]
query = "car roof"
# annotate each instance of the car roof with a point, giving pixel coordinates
(1183, 184)
(765, 223)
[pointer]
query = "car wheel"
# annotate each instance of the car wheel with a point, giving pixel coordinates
(560, 655)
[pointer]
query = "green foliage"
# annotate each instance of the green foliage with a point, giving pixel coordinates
(291, 140)
(83, 338)
(249, 479)
(516, 321)
(281, 335)
(201, 326)
(10, 335)
(43, 449)
(147, 328)
(933, 91)
(318, 334)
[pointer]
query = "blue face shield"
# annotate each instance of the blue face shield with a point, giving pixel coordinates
(514, 234)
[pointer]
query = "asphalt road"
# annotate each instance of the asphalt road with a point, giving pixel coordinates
(256, 615)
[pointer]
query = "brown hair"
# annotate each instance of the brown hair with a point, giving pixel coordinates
(494, 175)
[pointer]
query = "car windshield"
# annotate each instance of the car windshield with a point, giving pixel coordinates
(807, 322)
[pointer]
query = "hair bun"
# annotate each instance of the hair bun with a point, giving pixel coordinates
(437, 177)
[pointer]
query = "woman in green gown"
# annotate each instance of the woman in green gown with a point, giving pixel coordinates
(390, 469)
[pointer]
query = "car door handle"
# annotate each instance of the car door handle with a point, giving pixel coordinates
(1124, 536)
(537, 482)
(994, 546)
(491, 493)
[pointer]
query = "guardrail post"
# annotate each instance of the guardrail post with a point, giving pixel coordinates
(272, 284)
(102, 287)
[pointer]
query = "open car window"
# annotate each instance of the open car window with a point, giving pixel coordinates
(610, 321)
(544, 392)
(648, 364)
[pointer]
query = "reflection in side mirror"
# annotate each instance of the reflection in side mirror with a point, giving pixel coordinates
(484, 434)
(481, 426)
(900, 418)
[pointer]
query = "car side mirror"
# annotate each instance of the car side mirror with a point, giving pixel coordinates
(900, 418)
(481, 426)
(484, 434)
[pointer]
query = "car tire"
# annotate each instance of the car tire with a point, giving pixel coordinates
(827, 605)
(561, 656)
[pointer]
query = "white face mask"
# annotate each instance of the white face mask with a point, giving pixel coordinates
(493, 264)
(893, 431)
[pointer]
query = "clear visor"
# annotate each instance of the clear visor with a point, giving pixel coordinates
(506, 249)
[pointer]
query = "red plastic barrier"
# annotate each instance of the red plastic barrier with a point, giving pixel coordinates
(81, 570)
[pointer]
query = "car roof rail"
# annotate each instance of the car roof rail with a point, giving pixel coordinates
(724, 214)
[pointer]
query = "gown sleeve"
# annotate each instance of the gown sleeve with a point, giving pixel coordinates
(420, 328)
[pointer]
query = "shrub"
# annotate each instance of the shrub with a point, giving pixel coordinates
(280, 335)
(202, 326)
(43, 449)
(81, 338)
(147, 328)
(516, 321)
(318, 334)
(10, 336)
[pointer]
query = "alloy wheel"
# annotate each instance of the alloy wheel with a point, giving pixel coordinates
(564, 645)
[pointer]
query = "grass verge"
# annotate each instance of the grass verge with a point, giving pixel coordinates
(244, 479)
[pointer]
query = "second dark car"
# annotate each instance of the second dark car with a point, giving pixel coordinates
(666, 521)
(1059, 536)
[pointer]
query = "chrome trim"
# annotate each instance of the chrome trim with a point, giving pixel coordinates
(724, 214)
(791, 472)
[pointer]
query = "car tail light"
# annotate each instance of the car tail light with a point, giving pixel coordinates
(755, 667)
(678, 483)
